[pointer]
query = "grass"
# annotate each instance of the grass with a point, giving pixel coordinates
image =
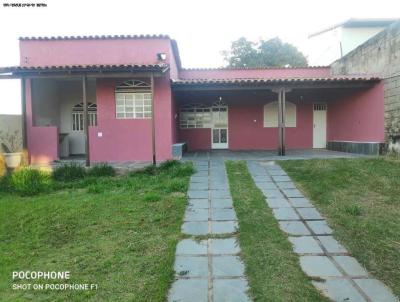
(272, 268)
(117, 232)
(361, 200)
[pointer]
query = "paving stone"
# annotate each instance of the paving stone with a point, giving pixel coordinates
(195, 228)
(278, 203)
(277, 172)
(285, 214)
(224, 246)
(195, 186)
(319, 266)
(266, 185)
(286, 185)
(191, 266)
(305, 245)
(196, 214)
(294, 228)
(219, 185)
(224, 227)
(203, 179)
(339, 290)
(376, 290)
(271, 193)
(198, 203)
(183, 290)
(220, 194)
(331, 245)
(201, 168)
(221, 203)
(198, 194)
(233, 290)
(350, 265)
(200, 173)
(281, 178)
(309, 213)
(227, 266)
(292, 193)
(300, 202)
(265, 178)
(320, 227)
(189, 246)
(223, 214)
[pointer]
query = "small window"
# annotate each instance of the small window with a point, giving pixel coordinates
(77, 116)
(195, 116)
(271, 115)
(133, 100)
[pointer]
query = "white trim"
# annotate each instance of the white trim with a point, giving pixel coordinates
(217, 107)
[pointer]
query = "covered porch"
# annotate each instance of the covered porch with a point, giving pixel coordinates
(342, 114)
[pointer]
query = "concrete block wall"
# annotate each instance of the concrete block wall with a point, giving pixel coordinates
(380, 55)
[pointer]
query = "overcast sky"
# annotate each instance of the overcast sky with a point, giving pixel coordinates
(202, 28)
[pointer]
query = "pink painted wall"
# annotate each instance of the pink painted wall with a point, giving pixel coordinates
(254, 73)
(247, 132)
(196, 139)
(130, 139)
(42, 141)
(357, 117)
(100, 51)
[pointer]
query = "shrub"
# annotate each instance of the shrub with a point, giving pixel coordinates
(69, 172)
(3, 168)
(29, 181)
(5, 183)
(102, 169)
(168, 164)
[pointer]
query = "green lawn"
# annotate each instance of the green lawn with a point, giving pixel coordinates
(117, 232)
(361, 200)
(272, 268)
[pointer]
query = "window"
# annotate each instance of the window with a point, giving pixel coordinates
(195, 116)
(77, 116)
(133, 100)
(271, 115)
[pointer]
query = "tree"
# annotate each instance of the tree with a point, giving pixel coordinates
(269, 53)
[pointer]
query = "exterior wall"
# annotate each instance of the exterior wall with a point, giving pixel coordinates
(196, 139)
(254, 73)
(358, 117)
(380, 55)
(93, 51)
(42, 141)
(10, 124)
(130, 139)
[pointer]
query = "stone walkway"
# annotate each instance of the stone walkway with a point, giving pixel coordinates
(209, 268)
(321, 256)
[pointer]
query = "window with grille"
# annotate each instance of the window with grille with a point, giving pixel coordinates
(320, 107)
(195, 116)
(133, 100)
(77, 116)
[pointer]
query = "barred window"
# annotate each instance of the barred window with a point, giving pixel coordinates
(77, 116)
(195, 116)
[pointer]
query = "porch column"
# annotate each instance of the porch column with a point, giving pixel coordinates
(153, 123)
(281, 121)
(85, 119)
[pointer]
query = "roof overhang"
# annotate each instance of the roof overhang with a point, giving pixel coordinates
(94, 71)
(273, 83)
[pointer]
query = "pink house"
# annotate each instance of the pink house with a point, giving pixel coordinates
(127, 98)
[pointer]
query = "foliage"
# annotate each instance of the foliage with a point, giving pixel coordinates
(172, 168)
(69, 172)
(102, 169)
(28, 181)
(151, 197)
(11, 141)
(3, 167)
(265, 53)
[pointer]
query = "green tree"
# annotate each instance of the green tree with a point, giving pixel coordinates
(265, 53)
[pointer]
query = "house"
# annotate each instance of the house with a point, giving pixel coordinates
(334, 42)
(127, 98)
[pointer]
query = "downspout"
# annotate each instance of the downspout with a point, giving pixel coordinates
(153, 123)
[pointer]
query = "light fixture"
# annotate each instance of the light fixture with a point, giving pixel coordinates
(161, 56)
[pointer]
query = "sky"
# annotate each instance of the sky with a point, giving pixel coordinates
(202, 28)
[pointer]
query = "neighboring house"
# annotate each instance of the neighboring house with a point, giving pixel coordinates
(10, 125)
(332, 43)
(140, 102)
(380, 55)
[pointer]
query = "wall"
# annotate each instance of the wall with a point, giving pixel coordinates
(130, 139)
(9, 124)
(379, 55)
(358, 117)
(46, 105)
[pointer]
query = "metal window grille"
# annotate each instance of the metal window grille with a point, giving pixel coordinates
(77, 116)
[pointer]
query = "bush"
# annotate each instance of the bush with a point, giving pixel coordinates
(69, 172)
(5, 183)
(168, 164)
(101, 170)
(29, 181)
(172, 168)
(3, 168)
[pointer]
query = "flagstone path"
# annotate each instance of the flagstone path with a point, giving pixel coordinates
(209, 268)
(321, 256)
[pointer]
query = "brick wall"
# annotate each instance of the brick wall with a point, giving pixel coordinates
(380, 55)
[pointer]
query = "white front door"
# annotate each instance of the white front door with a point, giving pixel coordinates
(219, 130)
(319, 130)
